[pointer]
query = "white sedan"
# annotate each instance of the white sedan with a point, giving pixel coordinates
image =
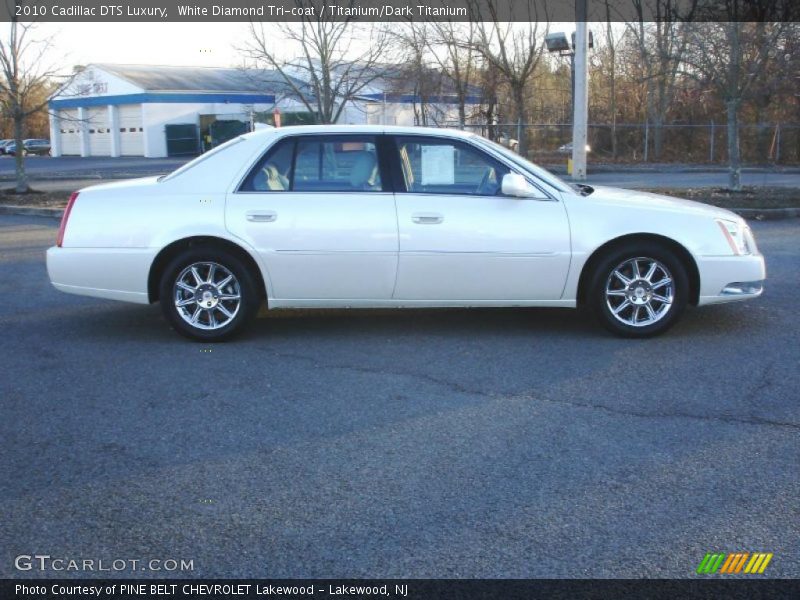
(359, 216)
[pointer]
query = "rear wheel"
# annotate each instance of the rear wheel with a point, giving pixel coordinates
(208, 294)
(639, 291)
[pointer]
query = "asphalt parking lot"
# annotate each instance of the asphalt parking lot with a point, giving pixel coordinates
(454, 443)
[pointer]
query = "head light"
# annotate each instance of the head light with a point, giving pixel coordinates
(735, 235)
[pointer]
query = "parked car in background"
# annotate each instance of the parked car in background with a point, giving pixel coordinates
(35, 146)
(394, 217)
(3, 144)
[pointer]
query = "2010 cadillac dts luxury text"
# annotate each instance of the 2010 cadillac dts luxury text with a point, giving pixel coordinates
(345, 216)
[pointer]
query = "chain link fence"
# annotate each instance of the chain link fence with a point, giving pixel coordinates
(640, 143)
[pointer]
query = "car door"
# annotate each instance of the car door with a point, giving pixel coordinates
(318, 210)
(462, 240)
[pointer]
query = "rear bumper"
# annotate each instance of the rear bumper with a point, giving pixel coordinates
(114, 273)
(730, 278)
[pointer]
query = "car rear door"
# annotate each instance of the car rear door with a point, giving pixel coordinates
(462, 240)
(320, 211)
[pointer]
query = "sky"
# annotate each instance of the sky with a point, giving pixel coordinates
(180, 44)
(185, 44)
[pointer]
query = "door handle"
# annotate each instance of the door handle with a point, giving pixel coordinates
(427, 218)
(262, 216)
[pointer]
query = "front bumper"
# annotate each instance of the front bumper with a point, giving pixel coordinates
(730, 278)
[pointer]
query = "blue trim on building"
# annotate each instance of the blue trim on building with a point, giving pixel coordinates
(169, 98)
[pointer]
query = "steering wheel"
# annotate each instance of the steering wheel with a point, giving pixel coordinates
(487, 177)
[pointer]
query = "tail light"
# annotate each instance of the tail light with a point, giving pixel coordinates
(65, 218)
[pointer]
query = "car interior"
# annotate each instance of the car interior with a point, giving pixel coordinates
(319, 165)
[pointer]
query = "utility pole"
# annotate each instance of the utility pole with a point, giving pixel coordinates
(581, 95)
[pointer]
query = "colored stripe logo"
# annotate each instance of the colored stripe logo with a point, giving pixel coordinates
(735, 562)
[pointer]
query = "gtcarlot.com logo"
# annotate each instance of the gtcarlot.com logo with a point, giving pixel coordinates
(45, 562)
(736, 562)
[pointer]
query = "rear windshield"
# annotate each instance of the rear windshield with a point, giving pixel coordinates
(193, 163)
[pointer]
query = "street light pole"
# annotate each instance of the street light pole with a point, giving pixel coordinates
(581, 94)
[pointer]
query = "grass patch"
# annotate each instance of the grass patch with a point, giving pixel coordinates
(749, 197)
(35, 198)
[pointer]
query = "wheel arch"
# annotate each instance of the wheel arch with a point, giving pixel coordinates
(679, 249)
(172, 250)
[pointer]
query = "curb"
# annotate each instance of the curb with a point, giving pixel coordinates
(767, 214)
(33, 179)
(53, 213)
(668, 170)
(758, 214)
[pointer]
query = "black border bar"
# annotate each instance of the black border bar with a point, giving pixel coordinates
(394, 10)
(411, 589)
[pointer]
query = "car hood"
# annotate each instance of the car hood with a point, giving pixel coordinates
(646, 200)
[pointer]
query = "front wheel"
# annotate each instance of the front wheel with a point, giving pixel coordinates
(639, 291)
(208, 294)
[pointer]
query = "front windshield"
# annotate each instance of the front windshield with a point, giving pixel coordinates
(526, 165)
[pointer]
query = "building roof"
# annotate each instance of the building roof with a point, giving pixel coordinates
(200, 79)
(396, 83)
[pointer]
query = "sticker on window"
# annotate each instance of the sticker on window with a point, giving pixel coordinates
(438, 165)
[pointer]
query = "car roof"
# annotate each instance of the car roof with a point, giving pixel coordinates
(355, 129)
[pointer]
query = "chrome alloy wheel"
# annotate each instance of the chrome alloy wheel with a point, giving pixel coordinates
(207, 295)
(640, 291)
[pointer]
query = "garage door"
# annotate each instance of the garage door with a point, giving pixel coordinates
(70, 132)
(99, 133)
(131, 133)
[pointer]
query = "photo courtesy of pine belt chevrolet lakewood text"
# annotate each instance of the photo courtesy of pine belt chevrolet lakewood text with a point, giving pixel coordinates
(375, 216)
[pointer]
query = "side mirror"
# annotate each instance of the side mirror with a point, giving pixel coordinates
(516, 185)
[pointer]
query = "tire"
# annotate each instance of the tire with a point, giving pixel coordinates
(209, 312)
(639, 306)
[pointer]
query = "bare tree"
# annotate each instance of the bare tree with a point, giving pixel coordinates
(662, 46)
(514, 50)
(26, 84)
(729, 57)
(456, 54)
(611, 47)
(489, 83)
(414, 74)
(332, 68)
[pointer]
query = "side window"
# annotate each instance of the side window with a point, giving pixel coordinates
(317, 164)
(437, 166)
(336, 163)
(273, 173)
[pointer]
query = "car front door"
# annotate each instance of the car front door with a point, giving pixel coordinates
(462, 240)
(317, 210)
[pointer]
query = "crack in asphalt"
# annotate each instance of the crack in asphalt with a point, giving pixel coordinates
(752, 420)
(453, 386)
(763, 381)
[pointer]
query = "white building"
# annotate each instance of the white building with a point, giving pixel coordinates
(158, 111)
(127, 110)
